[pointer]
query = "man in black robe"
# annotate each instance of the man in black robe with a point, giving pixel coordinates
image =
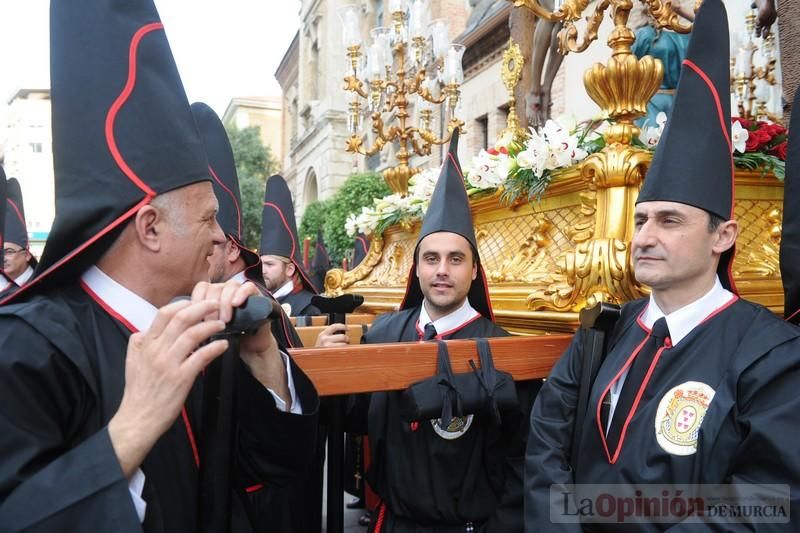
(699, 387)
(360, 249)
(282, 264)
(466, 476)
(102, 420)
(321, 262)
(18, 262)
(272, 508)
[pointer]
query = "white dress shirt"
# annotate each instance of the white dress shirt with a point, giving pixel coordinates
(447, 323)
(23, 278)
(285, 290)
(680, 322)
(140, 314)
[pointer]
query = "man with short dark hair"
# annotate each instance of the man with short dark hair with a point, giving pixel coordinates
(101, 371)
(465, 475)
(281, 260)
(698, 388)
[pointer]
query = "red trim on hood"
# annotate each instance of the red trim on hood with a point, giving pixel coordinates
(458, 168)
(485, 289)
(233, 197)
(790, 317)
(285, 225)
(120, 101)
(112, 146)
(19, 213)
(123, 218)
(363, 242)
(724, 127)
(122, 320)
(304, 277)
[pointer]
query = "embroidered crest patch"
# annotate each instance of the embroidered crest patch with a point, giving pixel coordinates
(679, 416)
(287, 308)
(458, 426)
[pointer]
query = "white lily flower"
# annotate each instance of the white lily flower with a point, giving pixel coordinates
(739, 136)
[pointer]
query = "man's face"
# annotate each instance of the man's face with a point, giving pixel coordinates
(15, 259)
(672, 246)
(276, 271)
(217, 262)
(445, 269)
(191, 235)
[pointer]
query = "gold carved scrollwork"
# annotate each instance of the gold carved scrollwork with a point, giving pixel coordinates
(583, 229)
(596, 271)
(526, 263)
(336, 280)
(764, 260)
(617, 166)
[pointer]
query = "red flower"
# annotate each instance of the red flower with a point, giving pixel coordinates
(503, 150)
(756, 140)
(779, 151)
(774, 129)
(744, 122)
(492, 151)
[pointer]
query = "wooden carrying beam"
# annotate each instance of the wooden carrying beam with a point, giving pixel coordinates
(381, 367)
(308, 334)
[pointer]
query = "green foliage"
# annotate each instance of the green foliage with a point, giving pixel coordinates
(254, 164)
(314, 218)
(761, 161)
(358, 191)
(524, 183)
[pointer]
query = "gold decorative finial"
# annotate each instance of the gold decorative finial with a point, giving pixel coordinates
(512, 65)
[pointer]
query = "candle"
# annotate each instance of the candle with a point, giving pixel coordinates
(351, 34)
(452, 64)
(418, 19)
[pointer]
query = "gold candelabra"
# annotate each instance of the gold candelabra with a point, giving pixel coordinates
(410, 58)
(753, 85)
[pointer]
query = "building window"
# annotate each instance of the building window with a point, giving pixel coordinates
(314, 69)
(36, 148)
(311, 192)
(482, 131)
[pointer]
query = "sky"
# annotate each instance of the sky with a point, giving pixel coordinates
(223, 48)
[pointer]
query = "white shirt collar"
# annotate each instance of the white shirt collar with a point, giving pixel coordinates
(23, 278)
(129, 305)
(682, 321)
(4, 283)
(240, 277)
(457, 318)
(285, 290)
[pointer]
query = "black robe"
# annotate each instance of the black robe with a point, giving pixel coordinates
(301, 303)
(62, 360)
(427, 482)
(751, 360)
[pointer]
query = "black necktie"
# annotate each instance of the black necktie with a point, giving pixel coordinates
(633, 381)
(429, 333)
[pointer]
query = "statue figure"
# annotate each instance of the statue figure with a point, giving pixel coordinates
(538, 101)
(666, 45)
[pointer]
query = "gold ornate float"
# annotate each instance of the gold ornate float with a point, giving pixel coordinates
(546, 260)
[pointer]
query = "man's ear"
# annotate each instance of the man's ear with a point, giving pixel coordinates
(726, 234)
(149, 227)
(290, 269)
(232, 251)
